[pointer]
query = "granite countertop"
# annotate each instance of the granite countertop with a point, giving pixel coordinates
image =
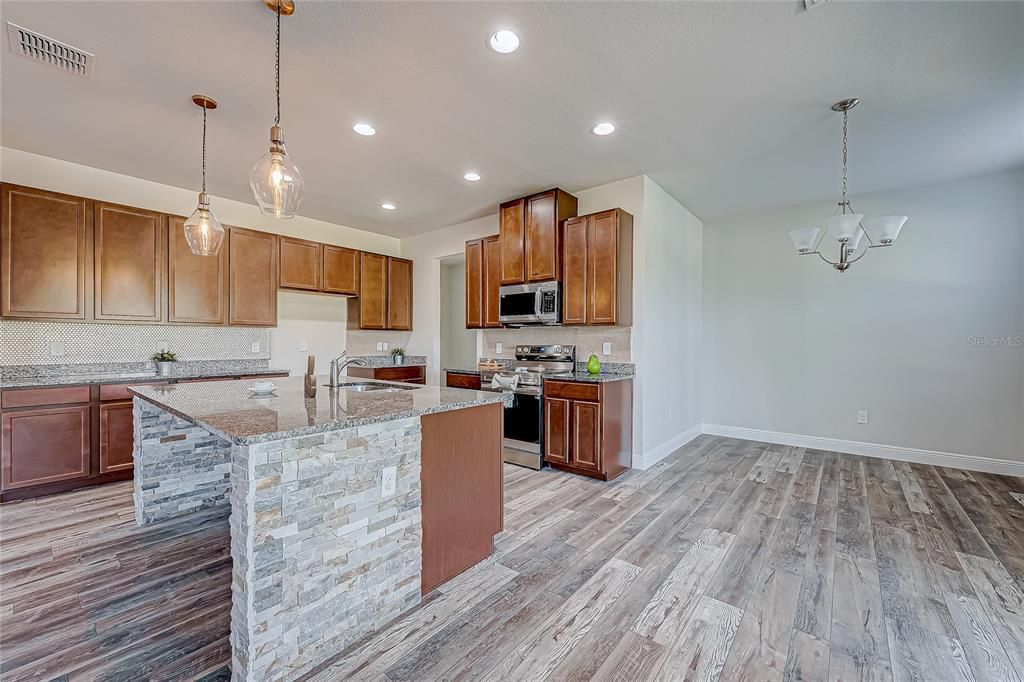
(599, 378)
(72, 379)
(380, 361)
(228, 410)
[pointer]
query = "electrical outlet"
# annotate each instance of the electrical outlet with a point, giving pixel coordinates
(388, 481)
(385, 346)
(162, 346)
(255, 346)
(303, 346)
(380, 345)
(497, 348)
(56, 348)
(862, 416)
(606, 348)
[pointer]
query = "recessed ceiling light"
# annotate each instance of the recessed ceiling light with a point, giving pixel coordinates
(388, 207)
(364, 129)
(472, 177)
(604, 128)
(504, 41)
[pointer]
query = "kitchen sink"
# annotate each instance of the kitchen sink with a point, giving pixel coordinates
(365, 388)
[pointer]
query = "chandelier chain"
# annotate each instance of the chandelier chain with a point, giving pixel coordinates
(277, 65)
(204, 149)
(845, 116)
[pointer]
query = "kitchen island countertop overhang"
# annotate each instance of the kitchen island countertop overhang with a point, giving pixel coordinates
(323, 551)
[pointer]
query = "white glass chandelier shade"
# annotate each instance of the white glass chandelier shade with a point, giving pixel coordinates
(844, 226)
(851, 246)
(884, 230)
(203, 231)
(805, 239)
(276, 183)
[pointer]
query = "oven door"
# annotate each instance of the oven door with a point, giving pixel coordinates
(523, 422)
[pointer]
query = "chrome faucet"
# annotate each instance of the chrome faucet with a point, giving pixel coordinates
(337, 366)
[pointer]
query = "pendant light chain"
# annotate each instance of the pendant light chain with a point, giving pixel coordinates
(277, 64)
(204, 149)
(845, 116)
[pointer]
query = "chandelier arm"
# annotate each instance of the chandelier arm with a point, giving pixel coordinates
(864, 253)
(818, 253)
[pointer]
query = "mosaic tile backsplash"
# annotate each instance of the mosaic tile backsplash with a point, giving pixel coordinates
(40, 343)
(586, 339)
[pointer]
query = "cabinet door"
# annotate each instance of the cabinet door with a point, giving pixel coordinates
(399, 294)
(543, 241)
(129, 277)
(197, 286)
(252, 278)
(45, 445)
(46, 262)
(511, 238)
(341, 270)
(373, 291)
(116, 436)
(491, 281)
(300, 264)
(574, 275)
(586, 435)
(602, 268)
(475, 284)
(556, 430)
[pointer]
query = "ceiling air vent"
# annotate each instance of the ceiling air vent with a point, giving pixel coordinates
(49, 51)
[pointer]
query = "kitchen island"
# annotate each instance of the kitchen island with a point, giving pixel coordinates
(345, 508)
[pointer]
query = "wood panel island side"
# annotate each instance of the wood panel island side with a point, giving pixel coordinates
(322, 553)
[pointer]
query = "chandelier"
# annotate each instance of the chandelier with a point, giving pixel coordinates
(845, 226)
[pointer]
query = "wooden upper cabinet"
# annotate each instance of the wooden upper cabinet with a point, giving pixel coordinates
(46, 252)
(197, 286)
(491, 280)
(252, 278)
(340, 270)
(546, 213)
(129, 263)
(475, 284)
(597, 283)
(373, 291)
(300, 264)
(574, 272)
(511, 240)
(399, 294)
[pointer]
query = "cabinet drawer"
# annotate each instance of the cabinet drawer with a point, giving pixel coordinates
(471, 381)
(572, 390)
(120, 391)
(31, 397)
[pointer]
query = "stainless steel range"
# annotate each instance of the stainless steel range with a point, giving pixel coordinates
(524, 420)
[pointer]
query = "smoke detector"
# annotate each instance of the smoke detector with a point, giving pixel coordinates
(49, 51)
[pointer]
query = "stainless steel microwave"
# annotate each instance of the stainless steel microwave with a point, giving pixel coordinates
(524, 304)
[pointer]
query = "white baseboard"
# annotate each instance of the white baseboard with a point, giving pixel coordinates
(932, 457)
(653, 456)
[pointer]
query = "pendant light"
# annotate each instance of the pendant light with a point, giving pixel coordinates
(845, 226)
(276, 182)
(203, 231)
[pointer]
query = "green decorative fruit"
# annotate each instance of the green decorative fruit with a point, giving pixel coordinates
(593, 365)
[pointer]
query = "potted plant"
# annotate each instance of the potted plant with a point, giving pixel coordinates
(164, 360)
(398, 355)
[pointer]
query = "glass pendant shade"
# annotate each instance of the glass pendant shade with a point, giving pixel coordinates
(805, 238)
(203, 231)
(276, 184)
(843, 226)
(854, 242)
(884, 230)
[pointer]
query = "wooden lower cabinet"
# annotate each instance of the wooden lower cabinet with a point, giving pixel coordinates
(116, 436)
(44, 445)
(459, 380)
(588, 427)
(409, 374)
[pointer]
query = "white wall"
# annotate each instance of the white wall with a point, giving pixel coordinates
(458, 344)
(793, 346)
(318, 320)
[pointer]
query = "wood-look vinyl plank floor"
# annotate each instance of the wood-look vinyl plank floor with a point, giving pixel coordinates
(728, 560)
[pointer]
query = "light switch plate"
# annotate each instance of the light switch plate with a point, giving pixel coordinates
(255, 346)
(606, 348)
(388, 481)
(56, 348)
(380, 345)
(497, 348)
(862, 416)
(385, 346)
(303, 346)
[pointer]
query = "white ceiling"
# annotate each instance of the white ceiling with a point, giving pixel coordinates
(726, 105)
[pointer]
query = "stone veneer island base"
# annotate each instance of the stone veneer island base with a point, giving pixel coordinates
(321, 557)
